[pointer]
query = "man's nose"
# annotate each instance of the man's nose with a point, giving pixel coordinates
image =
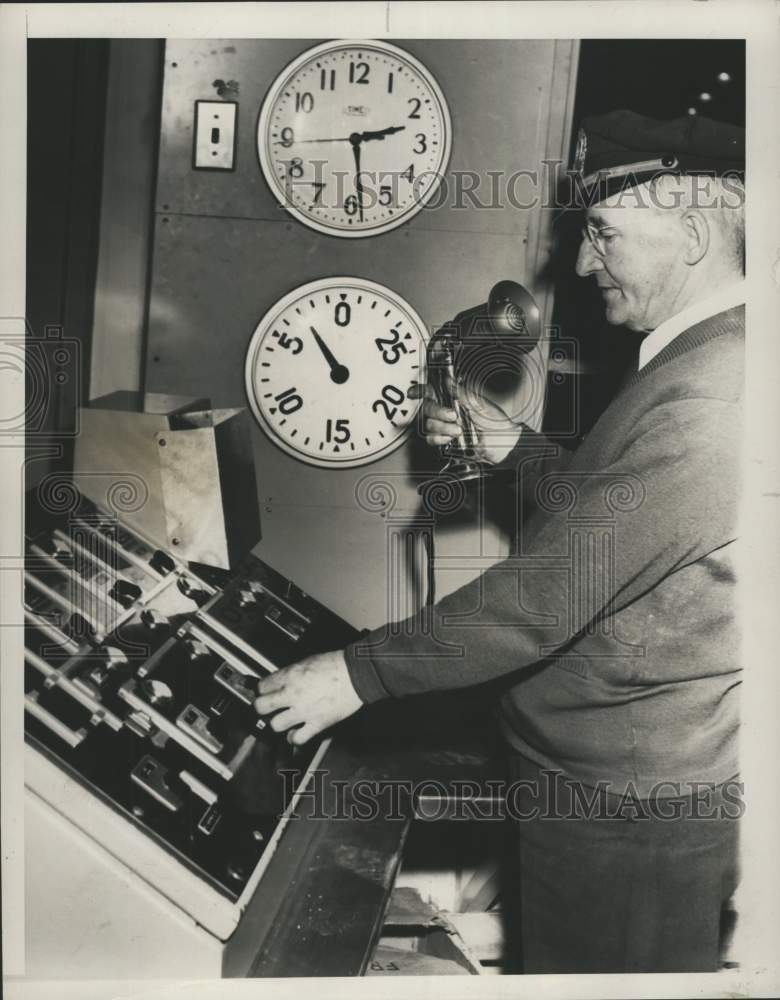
(588, 260)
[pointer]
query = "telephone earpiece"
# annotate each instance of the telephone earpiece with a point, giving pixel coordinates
(509, 320)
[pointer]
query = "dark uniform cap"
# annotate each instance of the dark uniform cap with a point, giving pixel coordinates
(621, 149)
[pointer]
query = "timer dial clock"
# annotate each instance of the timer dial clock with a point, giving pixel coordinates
(353, 137)
(328, 368)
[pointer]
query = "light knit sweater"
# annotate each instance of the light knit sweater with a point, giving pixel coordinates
(614, 623)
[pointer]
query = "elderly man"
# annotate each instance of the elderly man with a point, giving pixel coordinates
(618, 648)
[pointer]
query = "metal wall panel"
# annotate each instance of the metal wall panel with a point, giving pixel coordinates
(224, 252)
(499, 95)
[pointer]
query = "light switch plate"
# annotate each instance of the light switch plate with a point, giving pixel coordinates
(215, 135)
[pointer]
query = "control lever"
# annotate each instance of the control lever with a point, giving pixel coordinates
(125, 593)
(153, 619)
(189, 589)
(150, 775)
(196, 723)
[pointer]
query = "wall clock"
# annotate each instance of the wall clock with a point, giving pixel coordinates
(328, 368)
(354, 137)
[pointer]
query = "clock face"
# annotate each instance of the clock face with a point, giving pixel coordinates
(328, 368)
(354, 137)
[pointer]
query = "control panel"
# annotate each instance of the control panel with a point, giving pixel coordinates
(140, 677)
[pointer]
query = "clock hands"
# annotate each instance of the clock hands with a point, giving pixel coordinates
(338, 373)
(355, 139)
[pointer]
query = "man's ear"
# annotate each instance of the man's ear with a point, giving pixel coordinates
(696, 233)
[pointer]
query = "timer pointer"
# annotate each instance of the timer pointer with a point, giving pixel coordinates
(338, 373)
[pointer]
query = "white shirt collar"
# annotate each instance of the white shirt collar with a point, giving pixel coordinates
(656, 340)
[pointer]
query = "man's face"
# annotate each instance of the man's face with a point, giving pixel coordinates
(637, 260)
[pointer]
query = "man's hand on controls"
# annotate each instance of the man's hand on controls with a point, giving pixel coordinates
(497, 433)
(308, 696)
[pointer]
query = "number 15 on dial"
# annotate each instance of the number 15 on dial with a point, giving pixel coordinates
(328, 368)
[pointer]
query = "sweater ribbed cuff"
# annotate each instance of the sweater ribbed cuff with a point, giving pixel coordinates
(363, 674)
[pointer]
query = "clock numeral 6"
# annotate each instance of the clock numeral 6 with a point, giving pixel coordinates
(289, 401)
(337, 430)
(351, 204)
(304, 102)
(390, 348)
(390, 400)
(293, 344)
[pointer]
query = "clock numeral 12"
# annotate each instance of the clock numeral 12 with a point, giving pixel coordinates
(289, 401)
(358, 72)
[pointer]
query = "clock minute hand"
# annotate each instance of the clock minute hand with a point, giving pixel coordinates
(297, 142)
(338, 373)
(355, 139)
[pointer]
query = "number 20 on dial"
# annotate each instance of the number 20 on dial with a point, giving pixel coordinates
(328, 368)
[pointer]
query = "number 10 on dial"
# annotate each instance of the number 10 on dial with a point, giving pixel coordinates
(328, 369)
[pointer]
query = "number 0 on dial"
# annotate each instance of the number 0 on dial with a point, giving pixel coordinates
(328, 369)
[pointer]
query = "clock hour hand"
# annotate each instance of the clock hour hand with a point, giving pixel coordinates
(381, 133)
(338, 373)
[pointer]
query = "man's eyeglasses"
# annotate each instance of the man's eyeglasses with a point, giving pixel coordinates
(599, 237)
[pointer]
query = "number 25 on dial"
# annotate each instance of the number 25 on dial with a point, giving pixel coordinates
(328, 368)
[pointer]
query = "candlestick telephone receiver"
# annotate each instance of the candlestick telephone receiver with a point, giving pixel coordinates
(463, 354)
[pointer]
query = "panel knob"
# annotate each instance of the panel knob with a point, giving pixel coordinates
(196, 649)
(153, 619)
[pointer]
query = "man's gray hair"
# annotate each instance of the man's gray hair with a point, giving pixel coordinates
(722, 197)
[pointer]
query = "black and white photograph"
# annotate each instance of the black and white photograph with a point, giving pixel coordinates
(390, 494)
